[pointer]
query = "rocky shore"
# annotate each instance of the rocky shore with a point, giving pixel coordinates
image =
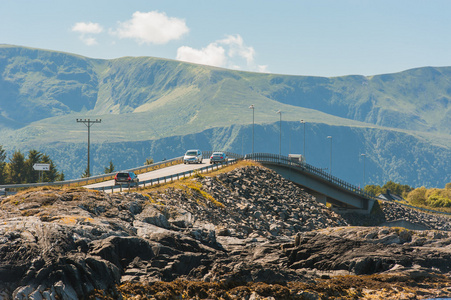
(243, 234)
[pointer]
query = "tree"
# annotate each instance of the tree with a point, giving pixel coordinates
(2, 165)
(373, 189)
(86, 173)
(149, 161)
(34, 157)
(52, 174)
(110, 168)
(16, 168)
(397, 188)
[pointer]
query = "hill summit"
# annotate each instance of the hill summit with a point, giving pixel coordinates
(152, 107)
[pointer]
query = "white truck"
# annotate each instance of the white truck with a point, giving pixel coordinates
(298, 158)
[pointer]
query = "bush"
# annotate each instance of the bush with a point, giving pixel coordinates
(417, 196)
(430, 197)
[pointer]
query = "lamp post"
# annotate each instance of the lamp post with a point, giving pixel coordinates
(363, 155)
(330, 166)
(252, 107)
(89, 123)
(303, 152)
(280, 135)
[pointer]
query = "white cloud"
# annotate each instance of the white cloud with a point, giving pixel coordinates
(89, 27)
(230, 52)
(152, 27)
(238, 49)
(86, 30)
(262, 69)
(90, 41)
(212, 55)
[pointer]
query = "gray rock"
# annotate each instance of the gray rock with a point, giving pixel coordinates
(253, 226)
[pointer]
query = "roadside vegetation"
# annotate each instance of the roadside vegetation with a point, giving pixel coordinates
(19, 169)
(433, 198)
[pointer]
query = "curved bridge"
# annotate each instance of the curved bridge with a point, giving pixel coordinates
(325, 187)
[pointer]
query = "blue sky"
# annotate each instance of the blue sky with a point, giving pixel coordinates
(317, 37)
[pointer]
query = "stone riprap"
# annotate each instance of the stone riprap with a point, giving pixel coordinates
(247, 225)
(391, 213)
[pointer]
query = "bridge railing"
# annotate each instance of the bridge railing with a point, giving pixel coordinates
(168, 178)
(284, 160)
(207, 154)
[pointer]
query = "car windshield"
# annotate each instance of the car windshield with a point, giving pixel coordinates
(191, 153)
(217, 154)
(122, 175)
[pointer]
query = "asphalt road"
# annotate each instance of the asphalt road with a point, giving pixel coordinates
(180, 168)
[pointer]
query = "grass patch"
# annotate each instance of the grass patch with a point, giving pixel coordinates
(192, 185)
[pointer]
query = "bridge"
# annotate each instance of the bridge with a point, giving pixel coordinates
(325, 187)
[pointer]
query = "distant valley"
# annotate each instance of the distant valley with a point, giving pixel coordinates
(158, 108)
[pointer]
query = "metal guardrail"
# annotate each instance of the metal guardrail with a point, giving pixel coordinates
(207, 154)
(94, 179)
(284, 160)
(169, 178)
(142, 169)
(260, 157)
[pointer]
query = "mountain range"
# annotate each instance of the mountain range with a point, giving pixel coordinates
(158, 108)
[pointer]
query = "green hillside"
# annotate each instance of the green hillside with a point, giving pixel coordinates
(147, 101)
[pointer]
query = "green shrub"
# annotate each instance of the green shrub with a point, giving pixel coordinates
(417, 196)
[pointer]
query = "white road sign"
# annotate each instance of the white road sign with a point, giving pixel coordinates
(41, 167)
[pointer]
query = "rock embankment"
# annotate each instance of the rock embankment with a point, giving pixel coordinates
(247, 225)
(391, 213)
(249, 201)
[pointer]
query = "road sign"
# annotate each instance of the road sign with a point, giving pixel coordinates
(41, 167)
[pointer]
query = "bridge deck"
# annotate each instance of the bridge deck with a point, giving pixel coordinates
(325, 187)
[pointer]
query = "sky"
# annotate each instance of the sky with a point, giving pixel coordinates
(294, 37)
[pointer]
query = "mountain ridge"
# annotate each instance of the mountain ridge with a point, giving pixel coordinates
(149, 99)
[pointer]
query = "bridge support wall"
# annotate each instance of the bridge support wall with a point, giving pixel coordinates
(323, 190)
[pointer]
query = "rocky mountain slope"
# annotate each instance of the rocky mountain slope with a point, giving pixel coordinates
(242, 234)
(159, 108)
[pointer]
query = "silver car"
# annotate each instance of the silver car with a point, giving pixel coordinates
(218, 157)
(193, 157)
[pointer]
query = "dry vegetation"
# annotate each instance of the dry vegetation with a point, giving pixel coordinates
(337, 287)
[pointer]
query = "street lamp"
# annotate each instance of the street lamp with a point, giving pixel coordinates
(280, 136)
(303, 152)
(330, 166)
(252, 107)
(363, 169)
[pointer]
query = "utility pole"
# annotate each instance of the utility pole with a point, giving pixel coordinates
(303, 152)
(253, 109)
(330, 167)
(280, 134)
(89, 123)
(363, 155)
